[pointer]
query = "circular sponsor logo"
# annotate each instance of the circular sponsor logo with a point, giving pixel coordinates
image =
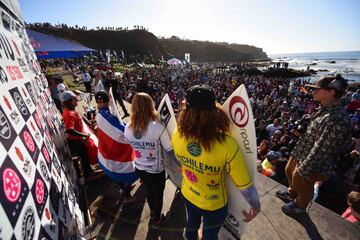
(232, 220)
(239, 111)
(20, 103)
(28, 224)
(29, 141)
(46, 154)
(39, 190)
(194, 149)
(191, 176)
(11, 184)
(137, 154)
(137, 135)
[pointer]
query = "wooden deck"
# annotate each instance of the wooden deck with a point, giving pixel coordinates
(115, 220)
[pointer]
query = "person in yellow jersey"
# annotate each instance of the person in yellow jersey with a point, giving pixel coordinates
(207, 152)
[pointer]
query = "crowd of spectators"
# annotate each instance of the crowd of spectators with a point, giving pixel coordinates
(282, 110)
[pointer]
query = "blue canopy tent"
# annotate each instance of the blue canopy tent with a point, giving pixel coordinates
(47, 46)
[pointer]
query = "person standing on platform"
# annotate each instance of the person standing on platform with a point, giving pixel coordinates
(115, 155)
(75, 134)
(149, 138)
(327, 138)
(207, 152)
(111, 82)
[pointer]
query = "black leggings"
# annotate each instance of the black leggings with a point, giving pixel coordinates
(78, 148)
(155, 184)
(87, 87)
(119, 99)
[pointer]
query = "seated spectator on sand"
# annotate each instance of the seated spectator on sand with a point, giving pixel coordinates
(353, 106)
(357, 114)
(301, 108)
(263, 150)
(284, 117)
(355, 127)
(293, 118)
(283, 142)
(283, 107)
(274, 164)
(310, 106)
(261, 133)
(352, 213)
(271, 128)
(285, 128)
(350, 169)
(267, 164)
(275, 140)
(356, 96)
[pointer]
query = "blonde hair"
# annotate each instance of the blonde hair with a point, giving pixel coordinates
(204, 126)
(354, 201)
(142, 112)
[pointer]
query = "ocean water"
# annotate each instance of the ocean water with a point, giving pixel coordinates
(345, 63)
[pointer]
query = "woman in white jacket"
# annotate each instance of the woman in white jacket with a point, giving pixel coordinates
(148, 138)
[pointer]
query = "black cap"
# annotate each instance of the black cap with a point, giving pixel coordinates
(102, 95)
(200, 97)
(330, 82)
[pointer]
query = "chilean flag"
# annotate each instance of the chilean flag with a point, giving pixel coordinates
(115, 155)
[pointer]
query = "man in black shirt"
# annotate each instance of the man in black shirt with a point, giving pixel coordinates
(261, 133)
(111, 82)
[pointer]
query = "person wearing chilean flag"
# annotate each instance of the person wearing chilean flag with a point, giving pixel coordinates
(115, 155)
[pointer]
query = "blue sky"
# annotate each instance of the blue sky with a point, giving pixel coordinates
(277, 26)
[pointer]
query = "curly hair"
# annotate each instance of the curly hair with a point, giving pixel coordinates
(204, 126)
(142, 111)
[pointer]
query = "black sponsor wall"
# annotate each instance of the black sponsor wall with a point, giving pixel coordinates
(39, 196)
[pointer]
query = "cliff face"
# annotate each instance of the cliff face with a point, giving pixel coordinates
(212, 52)
(139, 43)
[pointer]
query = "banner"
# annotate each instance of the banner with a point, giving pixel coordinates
(39, 196)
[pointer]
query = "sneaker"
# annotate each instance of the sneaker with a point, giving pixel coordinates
(285, 196)
(96, 168)
(130, 199)
(292, 209)
(157, 224)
